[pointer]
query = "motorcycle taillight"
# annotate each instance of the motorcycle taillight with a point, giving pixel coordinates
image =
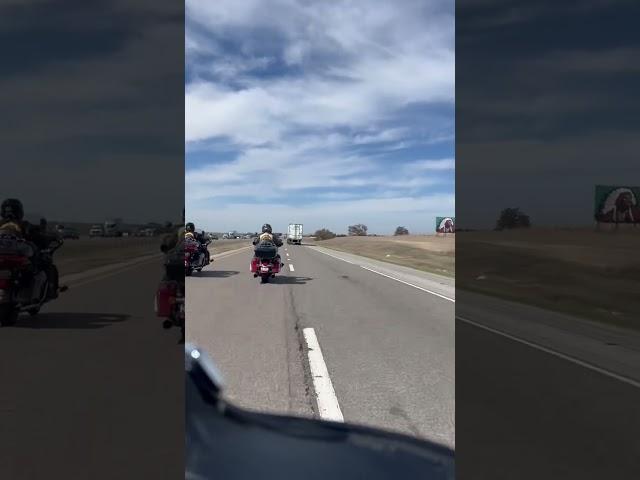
(5, 283)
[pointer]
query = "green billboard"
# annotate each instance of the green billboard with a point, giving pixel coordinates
(446, 224)
(615, 204)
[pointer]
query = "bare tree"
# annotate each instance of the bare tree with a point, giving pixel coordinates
(324, 234)
(358, 230)
(512, 218)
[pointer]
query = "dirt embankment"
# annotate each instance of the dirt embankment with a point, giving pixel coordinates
(590, 274)
(429, 253)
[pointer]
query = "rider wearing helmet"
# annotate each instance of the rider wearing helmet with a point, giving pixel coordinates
(190, 232)
(267, 237)
(12, 222)
(173, 240)
(12, 215)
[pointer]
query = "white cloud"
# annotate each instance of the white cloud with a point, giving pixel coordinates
(385, 57)
(304, 89)
(442, 164)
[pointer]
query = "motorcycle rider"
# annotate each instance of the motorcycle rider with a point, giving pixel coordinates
(172, 247)
(267, 236)
(12, 222)
(190, 232)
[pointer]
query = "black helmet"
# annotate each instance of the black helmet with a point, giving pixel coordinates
(266, 228)
(11, 209)
(190, 227)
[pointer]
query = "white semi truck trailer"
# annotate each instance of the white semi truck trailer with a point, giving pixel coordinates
(294, 234)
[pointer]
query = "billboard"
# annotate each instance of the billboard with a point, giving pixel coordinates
(446, 224)
(614, 204)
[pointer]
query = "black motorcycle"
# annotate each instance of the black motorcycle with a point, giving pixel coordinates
(24, 283)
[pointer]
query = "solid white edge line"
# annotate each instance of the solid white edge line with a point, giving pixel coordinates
(328, 407)
(338, 258)
(555, 353)
(410, 284)
(291, 268)
(392, 278)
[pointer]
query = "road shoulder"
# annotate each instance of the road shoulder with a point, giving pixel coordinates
(438, 284)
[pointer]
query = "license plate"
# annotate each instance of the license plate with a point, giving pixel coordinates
(264, 269)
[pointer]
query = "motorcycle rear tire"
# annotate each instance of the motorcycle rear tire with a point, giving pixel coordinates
(8, 315)
(265, 279)
(33, 311)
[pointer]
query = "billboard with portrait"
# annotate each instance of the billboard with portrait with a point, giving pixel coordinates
(446, 224)
(615, 204)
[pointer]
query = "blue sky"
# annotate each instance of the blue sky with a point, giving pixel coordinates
(322, 113)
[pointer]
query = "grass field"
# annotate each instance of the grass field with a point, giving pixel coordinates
(594, 275)
(429, 253)
(84, 254)
(219, 246)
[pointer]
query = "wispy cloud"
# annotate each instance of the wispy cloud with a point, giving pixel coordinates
(314, 101)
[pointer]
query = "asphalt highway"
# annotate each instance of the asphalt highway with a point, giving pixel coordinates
(93, 387)
(388, 346)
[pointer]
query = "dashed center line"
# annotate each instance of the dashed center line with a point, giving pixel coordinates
(328, 406)
(291, 268)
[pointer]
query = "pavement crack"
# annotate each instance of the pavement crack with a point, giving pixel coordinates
(400, 412)
(296, 353)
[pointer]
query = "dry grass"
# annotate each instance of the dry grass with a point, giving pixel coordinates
(591, 274)
(79, 255)
(429, 253)
(219, 246)
(84, 254)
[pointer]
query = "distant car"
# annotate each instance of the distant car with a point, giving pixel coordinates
(70, 233)
(96, 231)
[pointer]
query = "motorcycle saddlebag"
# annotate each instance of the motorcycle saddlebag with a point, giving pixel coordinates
(254, 264)
(266, 251)
(165, 298)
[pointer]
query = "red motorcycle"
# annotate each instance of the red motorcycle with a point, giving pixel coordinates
(266, 262)
(170, 304)
(23, 287)
(194, 257)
